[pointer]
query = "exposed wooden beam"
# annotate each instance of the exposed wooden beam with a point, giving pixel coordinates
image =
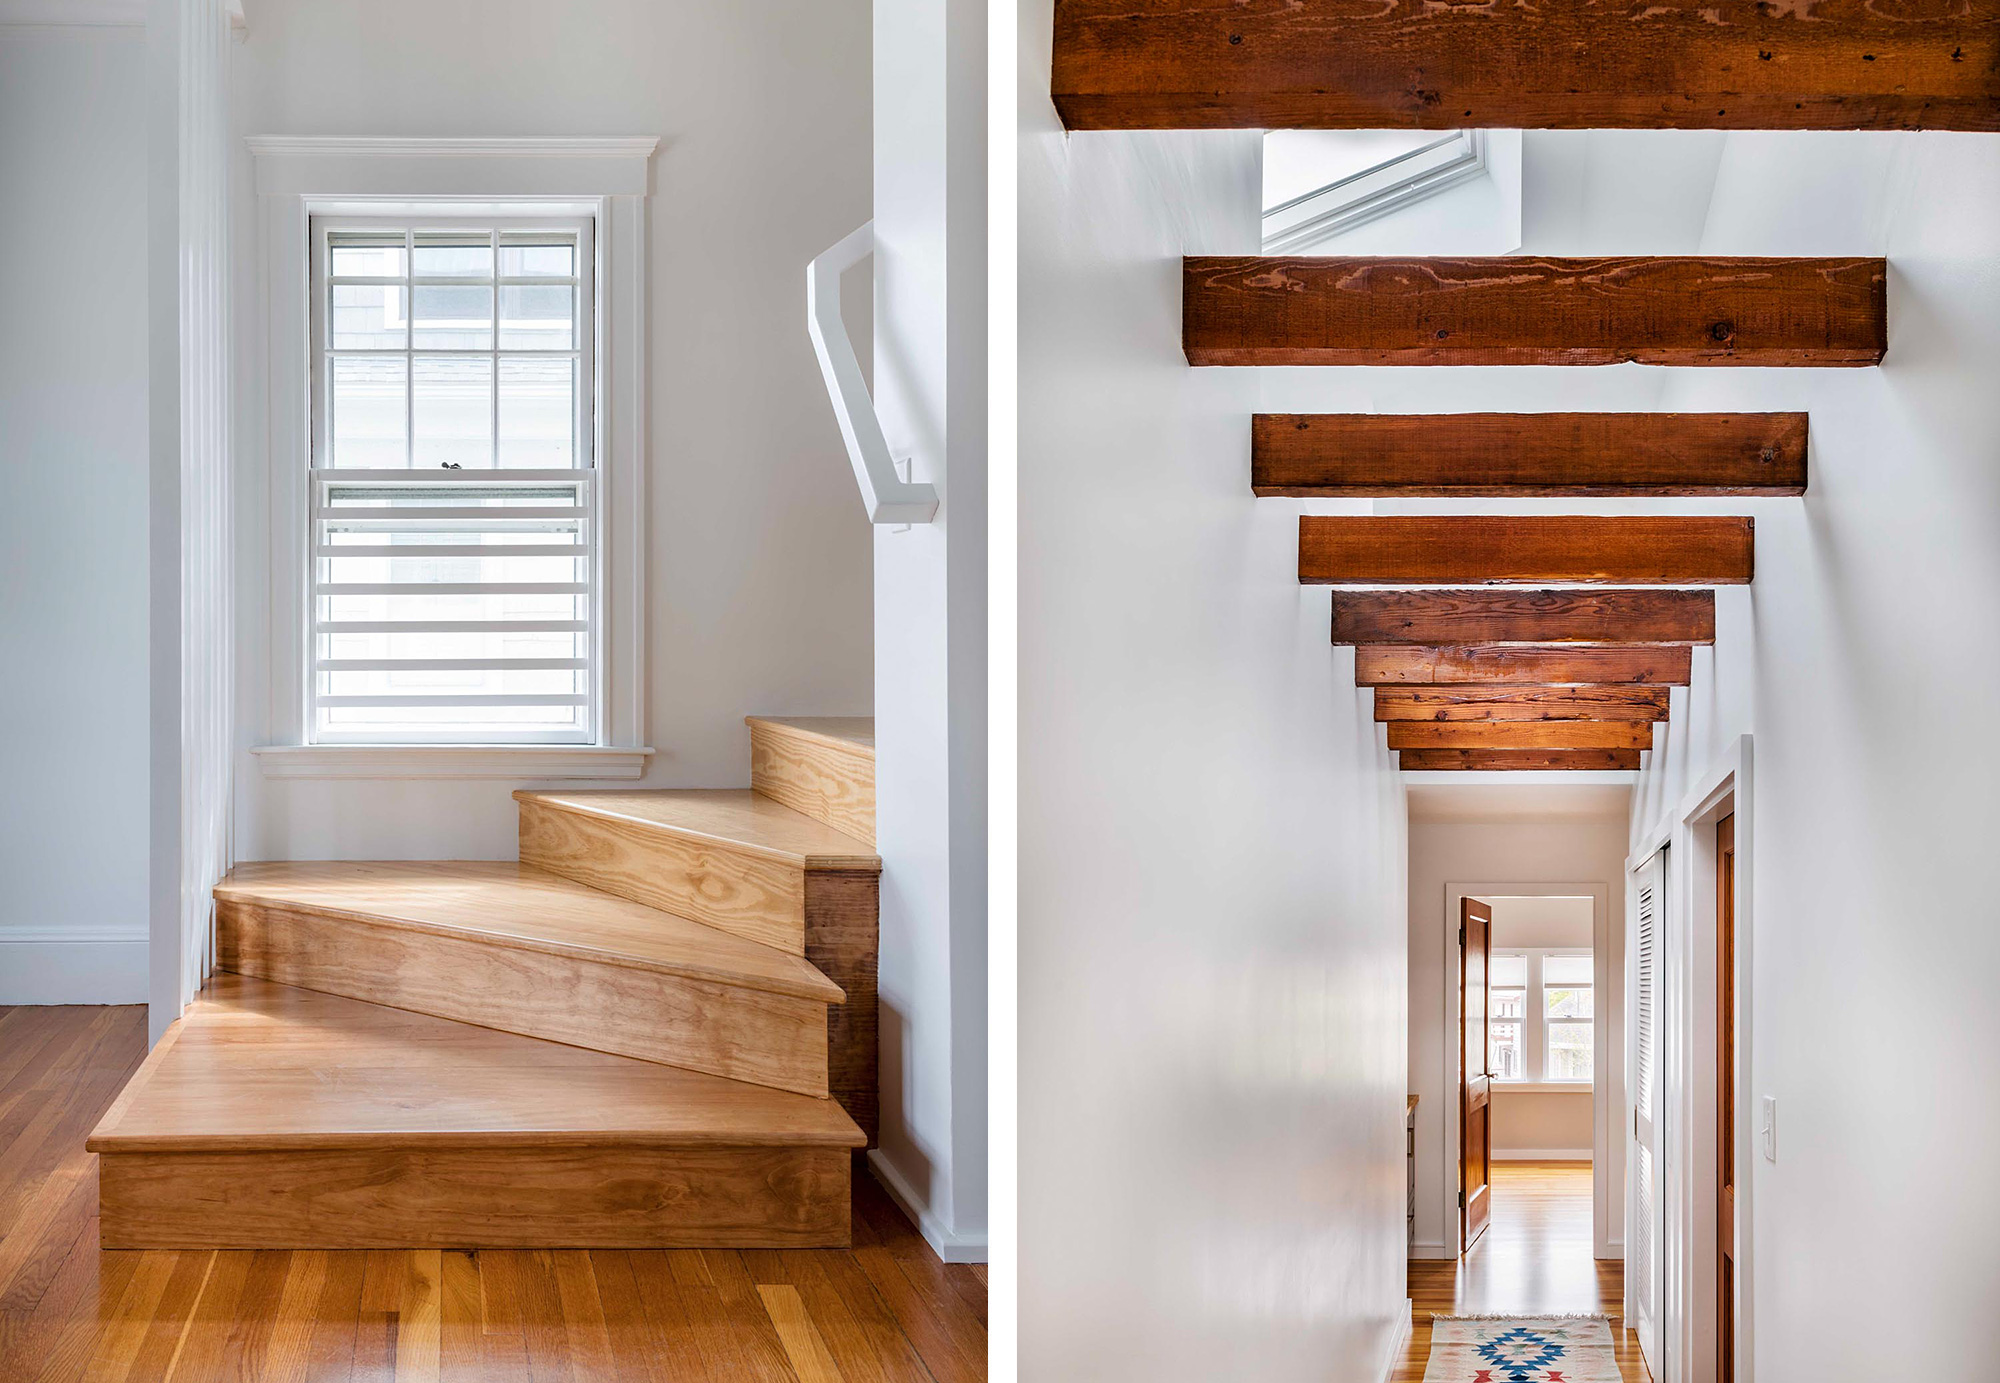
(1520, 734)
(1527, 454)
(1418, 760)
(1487, 549)
(1394, 665)
(1533, 311)
(1520, 703)
(1681, 64)
(1498, 615)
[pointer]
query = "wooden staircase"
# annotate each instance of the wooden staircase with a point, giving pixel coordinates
(657, 1029)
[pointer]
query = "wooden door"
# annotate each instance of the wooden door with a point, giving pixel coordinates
(1475, 1131)
(1725, 1097)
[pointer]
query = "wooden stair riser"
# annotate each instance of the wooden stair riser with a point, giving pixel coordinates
(768, 1039)
(1531, 310)
(1716, 65)
(747, 894)
(828, 779)
(486, 1197)
(843, 908)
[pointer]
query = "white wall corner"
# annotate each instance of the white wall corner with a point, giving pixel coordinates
(951, 1247)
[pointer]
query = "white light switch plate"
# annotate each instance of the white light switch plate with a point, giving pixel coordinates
(1769, 1131)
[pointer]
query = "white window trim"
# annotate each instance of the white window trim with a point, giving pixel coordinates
(1535, 1021)
(606, 179)
(1316, 217)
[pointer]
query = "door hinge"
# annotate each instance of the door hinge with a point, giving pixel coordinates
(1461, 1200)
(1461, 938)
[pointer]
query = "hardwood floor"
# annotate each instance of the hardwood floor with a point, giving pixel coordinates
(1536, 1257)
(884, 1311)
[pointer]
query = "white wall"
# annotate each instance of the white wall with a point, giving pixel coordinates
(1211, 838)
(73, 496)
(1523, 838)
(759, 589)
(1864, 659)
(930, 613)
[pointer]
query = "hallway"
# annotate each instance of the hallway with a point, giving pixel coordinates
(1535, 1258)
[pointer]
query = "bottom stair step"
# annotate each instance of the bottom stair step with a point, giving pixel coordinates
(274, 1117)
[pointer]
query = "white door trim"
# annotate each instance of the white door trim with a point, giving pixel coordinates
(1687, 1051)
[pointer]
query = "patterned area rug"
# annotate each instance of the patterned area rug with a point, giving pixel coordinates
(1521, 1349)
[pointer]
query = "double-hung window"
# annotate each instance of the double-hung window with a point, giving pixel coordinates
(1543, 1011)
(456, 575)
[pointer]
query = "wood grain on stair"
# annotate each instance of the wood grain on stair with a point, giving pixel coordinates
(1725, 65)
(1463, 549)
(641, 989)
(1382, 665)
(1527, 454)
(1521, 703)
(742, 862)
(1518, 760)
(1520, 734)
(279, 1117)
(257, 1066)
(524, 907)
(823, 766)
(1501, 616)
(1525, 310)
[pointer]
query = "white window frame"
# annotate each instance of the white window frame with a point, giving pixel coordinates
(1535, 1022)
(584, 429)
(403, 181)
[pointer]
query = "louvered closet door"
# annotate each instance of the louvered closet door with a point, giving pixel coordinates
(1643, 1226)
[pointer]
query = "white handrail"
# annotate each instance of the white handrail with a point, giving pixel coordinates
(889, 498)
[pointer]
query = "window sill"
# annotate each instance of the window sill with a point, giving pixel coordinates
(1542, 1087)
(519, 761)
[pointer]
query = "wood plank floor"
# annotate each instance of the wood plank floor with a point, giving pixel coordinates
(1535, 1257)
(884, 1311)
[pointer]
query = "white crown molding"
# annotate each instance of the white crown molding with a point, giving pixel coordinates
(530, 166)
(524, 762)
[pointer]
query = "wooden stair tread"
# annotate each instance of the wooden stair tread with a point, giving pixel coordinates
(256, 1066)
(519, 905)
(734, 818)
(847, 732)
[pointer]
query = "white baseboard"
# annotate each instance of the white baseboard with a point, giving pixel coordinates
(1398, 1342)
(48, 965)
(1432, 1248)
(1541, 1154)
(952, 1248)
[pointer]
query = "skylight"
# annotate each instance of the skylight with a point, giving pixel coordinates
(1319, 184)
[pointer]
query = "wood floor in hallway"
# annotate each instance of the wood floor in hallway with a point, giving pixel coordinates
(1535, 1258)
(885, 1310)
